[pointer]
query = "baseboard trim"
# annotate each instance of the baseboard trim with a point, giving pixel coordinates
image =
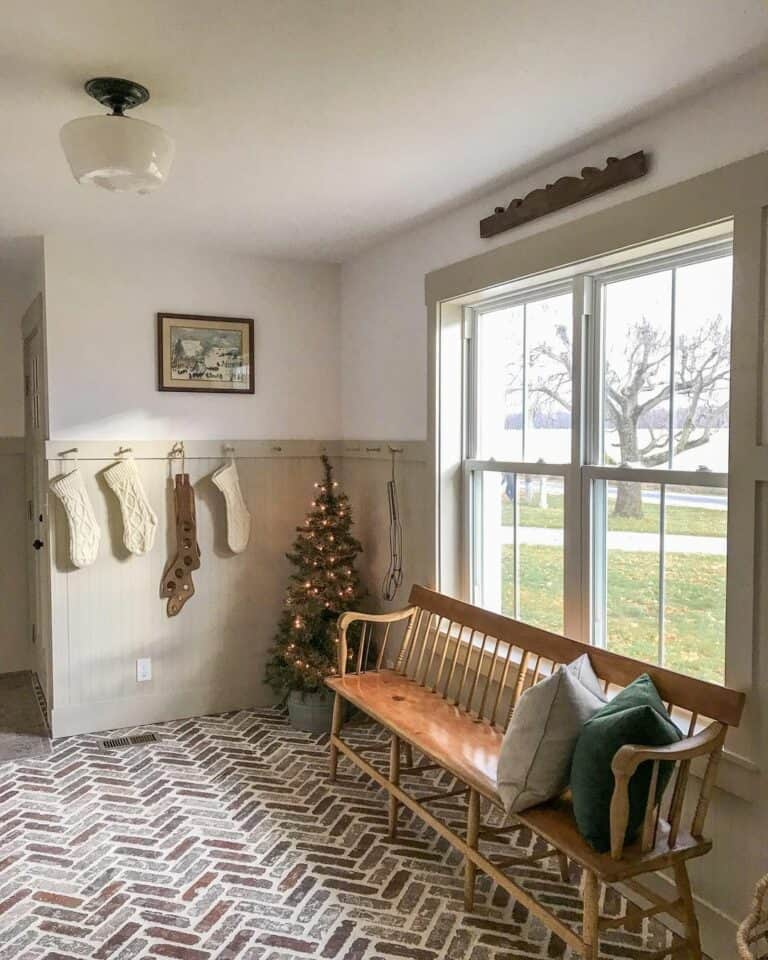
(68, 720)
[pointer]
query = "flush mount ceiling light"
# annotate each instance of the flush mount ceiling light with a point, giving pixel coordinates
(114, 151)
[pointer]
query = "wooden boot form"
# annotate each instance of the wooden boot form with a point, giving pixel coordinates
(177, 581)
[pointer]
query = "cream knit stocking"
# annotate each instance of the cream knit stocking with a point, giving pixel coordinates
(238, 518)
(139, 519)
(84, 532)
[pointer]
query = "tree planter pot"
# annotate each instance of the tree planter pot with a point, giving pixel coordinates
(311, 711)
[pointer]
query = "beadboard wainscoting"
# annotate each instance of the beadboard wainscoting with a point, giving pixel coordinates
(211, 656)
(365, 480)
(16, 652)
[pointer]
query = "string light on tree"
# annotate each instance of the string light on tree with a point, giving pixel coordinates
(324, 585)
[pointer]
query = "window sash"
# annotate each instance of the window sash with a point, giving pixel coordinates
(594, 424)
(473, 318)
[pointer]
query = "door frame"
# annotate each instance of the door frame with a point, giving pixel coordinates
(36, 498)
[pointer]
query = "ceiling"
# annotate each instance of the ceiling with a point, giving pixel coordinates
(309, 128)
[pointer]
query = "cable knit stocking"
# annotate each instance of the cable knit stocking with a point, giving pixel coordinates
(84, 532)
(238, 518)
(139, 519)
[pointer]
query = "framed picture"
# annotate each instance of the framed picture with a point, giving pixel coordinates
(204, 354)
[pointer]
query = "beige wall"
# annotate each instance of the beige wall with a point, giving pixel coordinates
(211, 656)
(21, 278)
(366, 483)
(16, 651)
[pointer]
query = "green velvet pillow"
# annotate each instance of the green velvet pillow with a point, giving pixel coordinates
(636, 715)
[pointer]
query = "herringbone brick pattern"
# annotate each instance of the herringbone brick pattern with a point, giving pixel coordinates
(225, 840)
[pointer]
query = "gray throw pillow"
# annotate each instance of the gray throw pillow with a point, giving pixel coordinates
(535, 758)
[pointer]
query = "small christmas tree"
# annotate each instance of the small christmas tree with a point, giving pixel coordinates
(324, 585)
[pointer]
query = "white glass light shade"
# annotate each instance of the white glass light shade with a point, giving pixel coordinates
(117, 153)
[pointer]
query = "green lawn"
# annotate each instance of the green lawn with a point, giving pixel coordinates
(683, 520)
(695, 603)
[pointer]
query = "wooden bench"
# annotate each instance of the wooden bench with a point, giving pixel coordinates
(456, 674)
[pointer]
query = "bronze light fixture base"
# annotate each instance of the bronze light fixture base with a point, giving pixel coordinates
(117, 94)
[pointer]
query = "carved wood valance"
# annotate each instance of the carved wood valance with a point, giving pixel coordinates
(564, 192)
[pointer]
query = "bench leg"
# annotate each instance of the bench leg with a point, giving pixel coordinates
(691, 922)
(565, 870)
(473, 832)
(394, 777)
(336, 724)
(590, 891)
(408, 754)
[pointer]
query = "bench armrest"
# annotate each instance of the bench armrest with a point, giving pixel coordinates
(628, 758)
(353, 616)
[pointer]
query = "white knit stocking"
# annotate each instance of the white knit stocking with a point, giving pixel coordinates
(84, 532)
(238, 518)
(139, 519)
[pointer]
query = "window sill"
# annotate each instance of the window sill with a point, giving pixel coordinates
(736, 776)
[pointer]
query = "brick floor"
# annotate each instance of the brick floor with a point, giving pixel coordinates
(225, 840)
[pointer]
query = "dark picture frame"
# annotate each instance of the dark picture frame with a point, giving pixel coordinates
(203, 354)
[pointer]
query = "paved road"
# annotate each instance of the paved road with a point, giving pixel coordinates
(701, 501)
(621, 540)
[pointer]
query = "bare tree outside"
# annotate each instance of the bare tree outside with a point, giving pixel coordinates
(639, 385)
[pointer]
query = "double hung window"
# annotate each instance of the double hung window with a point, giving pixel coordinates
(597, 455)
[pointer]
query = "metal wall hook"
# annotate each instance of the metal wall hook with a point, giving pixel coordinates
(63, 454)
(123, 451)
(177, 452)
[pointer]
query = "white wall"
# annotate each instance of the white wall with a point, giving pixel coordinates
(101, 301)
(384, 386)
(383, 317)
(21, 279)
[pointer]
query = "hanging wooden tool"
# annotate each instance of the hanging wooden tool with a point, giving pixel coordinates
(177, 581)
(394, 575)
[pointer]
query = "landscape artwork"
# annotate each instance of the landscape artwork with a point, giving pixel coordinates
(205, 354)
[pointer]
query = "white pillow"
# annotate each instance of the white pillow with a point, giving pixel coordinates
(535, 758)
(581, 668)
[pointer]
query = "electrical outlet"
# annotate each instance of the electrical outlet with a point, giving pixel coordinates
(143, 669)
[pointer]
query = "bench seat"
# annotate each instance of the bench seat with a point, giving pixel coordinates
(440, 731)
(555, 823)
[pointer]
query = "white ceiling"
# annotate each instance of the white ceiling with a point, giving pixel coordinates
(307, 128)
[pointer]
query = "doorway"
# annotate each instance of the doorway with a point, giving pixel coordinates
(35, 468)
(25, 692)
